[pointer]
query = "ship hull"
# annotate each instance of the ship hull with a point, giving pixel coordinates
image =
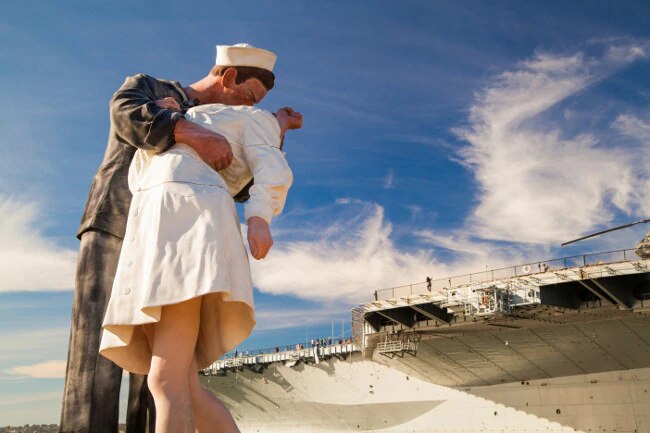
(363, 395)
(563, 350)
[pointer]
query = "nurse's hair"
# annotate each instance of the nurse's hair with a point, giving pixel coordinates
(266, 77)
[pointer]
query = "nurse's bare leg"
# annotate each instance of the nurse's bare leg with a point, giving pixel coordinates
(209, 412)
(174, 340)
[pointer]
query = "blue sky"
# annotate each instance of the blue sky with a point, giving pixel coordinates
(439, 138)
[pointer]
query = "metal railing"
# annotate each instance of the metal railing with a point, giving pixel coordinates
(440, 284)
(284, 348)
(395, 346)
(389, 346)
(307, 354)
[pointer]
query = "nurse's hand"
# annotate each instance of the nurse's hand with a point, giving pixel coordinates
(259, 237)
(169, 103)
(288, 119)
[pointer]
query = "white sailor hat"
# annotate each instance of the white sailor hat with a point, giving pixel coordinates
(245, 55)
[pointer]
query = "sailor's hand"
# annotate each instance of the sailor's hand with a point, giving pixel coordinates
(213, 148)
(169, 103)
(216, 151)
(259, 237)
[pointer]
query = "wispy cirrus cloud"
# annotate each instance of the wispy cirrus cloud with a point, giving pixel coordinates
(52, 369)
(638, 130)
(345, 259)
(633, 126)
(537, 184)
(357, 252)
(389, 179)
(300, 317)
(30, 260)
(426, 140)
(12, 400)
(19, 345)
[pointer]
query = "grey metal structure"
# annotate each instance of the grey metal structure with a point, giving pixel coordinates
(549, 323)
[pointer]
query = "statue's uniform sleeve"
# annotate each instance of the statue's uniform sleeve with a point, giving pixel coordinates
(271, 173)
(137, 120)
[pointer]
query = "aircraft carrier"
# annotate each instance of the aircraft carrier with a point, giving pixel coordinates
(554, 346)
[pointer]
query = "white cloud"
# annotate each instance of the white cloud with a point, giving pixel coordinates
(626, 52)
(20, 345)
(43, 370)
(10, 399)
(638, 130)
(537, 185)
(427, 140)
(634, 127)
(389, 179)
(414, 209)
(300, 317)
(29, 260)
(345, 260)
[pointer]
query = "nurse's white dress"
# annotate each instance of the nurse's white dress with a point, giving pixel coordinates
(183, 237)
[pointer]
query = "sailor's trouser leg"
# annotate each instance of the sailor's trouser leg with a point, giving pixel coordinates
(141, 411)
(92, 382)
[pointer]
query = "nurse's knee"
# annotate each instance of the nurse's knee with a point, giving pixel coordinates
(166, 381)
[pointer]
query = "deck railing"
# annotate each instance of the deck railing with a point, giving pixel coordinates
(307, 354)
(285, 348)
(440, 284)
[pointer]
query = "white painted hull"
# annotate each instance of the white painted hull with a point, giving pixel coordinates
(363, 395)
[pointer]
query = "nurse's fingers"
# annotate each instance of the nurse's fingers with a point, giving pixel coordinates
(169, 103)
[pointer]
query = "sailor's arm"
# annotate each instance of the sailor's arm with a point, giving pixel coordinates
(213, 148)
(140, 121)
